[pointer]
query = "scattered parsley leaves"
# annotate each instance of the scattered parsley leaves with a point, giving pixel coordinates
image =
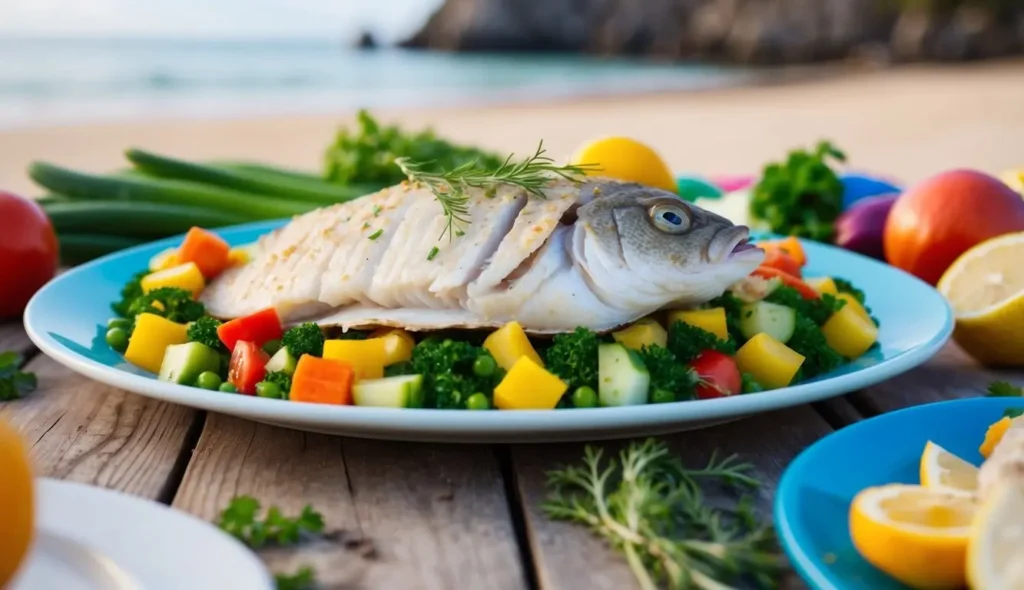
(240, 519)
(14, 383)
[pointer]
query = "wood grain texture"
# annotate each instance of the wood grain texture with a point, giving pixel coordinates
(567, 556)
(83, 431)
(13, 337)
(403, 515)
(951, 374)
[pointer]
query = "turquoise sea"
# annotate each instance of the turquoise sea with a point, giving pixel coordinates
(64, 80)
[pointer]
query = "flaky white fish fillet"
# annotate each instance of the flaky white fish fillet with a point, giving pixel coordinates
(585, 255)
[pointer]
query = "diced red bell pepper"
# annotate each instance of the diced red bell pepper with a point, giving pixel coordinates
(790, 246)
(259, 328)
(207, 250)
(770, 272)
(780, 259)
(248, 366)
(719, 375)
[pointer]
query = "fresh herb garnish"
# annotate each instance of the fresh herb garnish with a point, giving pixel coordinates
(303, 579)
(802, 196)
(1013, 413)
(449, 186)
(1004, 389)
(375, 235)
(14, 383)
(433, 252)
(649, 506)
(240, 520)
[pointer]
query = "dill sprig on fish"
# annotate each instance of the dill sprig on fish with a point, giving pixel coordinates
(449, 187)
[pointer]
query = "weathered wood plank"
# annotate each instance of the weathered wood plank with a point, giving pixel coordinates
(84, 431)
(951, 374)
(838, 412)
(409, 515)
(13, 337)
(567, 556)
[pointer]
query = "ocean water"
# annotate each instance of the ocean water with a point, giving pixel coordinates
(63, 81)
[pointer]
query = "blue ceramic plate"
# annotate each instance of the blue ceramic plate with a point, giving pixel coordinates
(813, 499)
(65, 319)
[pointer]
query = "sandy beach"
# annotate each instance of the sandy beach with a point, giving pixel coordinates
(907, 123)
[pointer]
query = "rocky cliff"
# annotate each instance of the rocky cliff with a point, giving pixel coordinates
(748, 31)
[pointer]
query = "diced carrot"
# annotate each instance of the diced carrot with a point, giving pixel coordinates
(260, 328)
(790, 245)
(322, 381)
(208, 250)
(770, 272)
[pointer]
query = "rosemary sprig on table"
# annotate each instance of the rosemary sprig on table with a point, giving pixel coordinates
(449, 187)
(652, 508)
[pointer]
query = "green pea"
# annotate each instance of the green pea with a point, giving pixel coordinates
(268, 389)
(271, 347)
(209, 380)
(117, 338)
(124, 324)
(478, 401)
(661, 396)
(227, 387)
(484, 366)
(584, 397)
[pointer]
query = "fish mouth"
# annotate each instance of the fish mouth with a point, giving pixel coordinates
(732, 243)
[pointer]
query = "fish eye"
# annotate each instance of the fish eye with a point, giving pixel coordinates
(671, 219)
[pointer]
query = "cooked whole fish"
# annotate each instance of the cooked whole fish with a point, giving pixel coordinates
(598, 254)
(1005, 466)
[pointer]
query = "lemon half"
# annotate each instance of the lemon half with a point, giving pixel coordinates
(626, 159)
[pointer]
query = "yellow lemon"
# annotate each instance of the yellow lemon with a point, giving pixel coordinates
(985, 287)
(1014, 179)
(942, 470)
(915, 534)
(626, 159)
(993, 435)
(16, 502)
(995, 551)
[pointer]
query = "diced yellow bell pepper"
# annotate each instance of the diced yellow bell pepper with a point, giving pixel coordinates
(184, 276)
(528, 386)
(238, 256)
(398, 344)
(823, 285)
(852, 303)
(508, 344)
(849, 333)
(711, 320)
(150, 339)
(645, 332)
(165, 259)
(770, 362)
(367, 357)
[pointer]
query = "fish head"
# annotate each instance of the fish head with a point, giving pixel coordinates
(644, 247)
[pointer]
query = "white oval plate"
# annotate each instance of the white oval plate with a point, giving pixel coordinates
(66, 320)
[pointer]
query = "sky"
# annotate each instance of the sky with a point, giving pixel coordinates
(328, 19)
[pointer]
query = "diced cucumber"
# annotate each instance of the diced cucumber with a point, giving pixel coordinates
(282, 361)
(623, 379)
(778, 321)
(184, 362)
(401, 391)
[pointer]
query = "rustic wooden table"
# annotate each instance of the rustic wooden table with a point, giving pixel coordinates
(411, 516)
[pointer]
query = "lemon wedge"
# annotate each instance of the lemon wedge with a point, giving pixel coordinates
(985, 287)
(915, 534)
(626, 159)
(995, 554)
(942, 470)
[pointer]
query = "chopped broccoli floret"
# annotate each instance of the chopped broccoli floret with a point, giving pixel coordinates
(667, 373)
(447, 369)
(573, 358)
(808, 340)
(845, 286)
(204, 331)
(303, 339)
(172, 303)
(687, 342)
(817, 310)
(733, 306)
(129, 293)
(750, 385)
(282, 380)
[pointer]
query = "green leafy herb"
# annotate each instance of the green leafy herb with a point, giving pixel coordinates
(172, 303)
(305, 338)
(367, 154)
(240, 519)
(573, 358)
(817, 310)
(14, 383)
(433, 252)
(653, 509)
(687, 342)
(303, 579)
(809, 341)
(375, 235)
(802, 196)
(448, 376)
(204, 331)
(668, 374)
(449, 185)
(750, 385)
(733, 306)
(1013, 413)
(1004, 389)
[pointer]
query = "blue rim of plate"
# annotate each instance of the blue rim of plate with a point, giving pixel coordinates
(617, 421)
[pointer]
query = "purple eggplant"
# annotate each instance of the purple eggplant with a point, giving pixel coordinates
(861, 227)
